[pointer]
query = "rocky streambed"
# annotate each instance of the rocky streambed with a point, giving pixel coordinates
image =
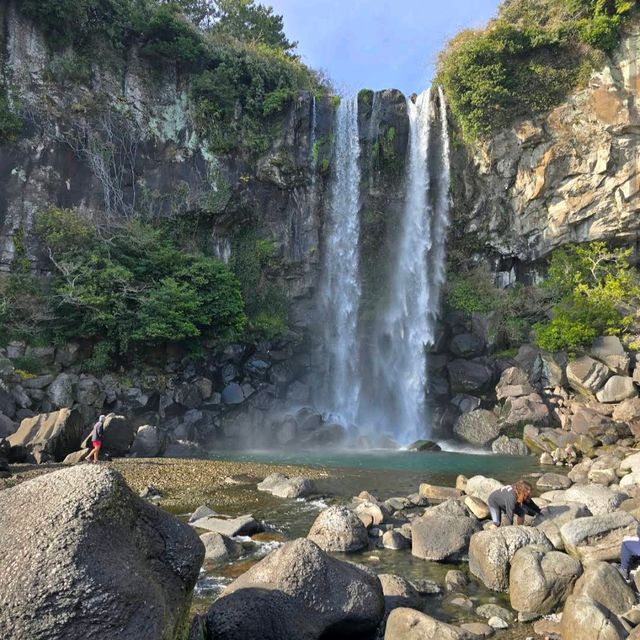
(428, 565)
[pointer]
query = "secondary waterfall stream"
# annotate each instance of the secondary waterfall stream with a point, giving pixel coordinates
(388, 396)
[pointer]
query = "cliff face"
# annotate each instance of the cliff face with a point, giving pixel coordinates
(570, 176)
(124, 141)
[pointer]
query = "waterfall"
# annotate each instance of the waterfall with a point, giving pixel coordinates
(388, 394)
(340, 291)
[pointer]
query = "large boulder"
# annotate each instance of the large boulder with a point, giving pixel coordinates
(467, 376)
(149, 442)
(514, 382)
(339, 529)
(609, 350)
(466, 345)
(84, 543)
(61, 390)
(586, 375)
(439, 536)
(219, 548)
(553, 516)
(297, 591)
(598, 499)
(598, 537)
(617, 389)
(119, 434)
(477, 427)
(506, 446)
(482, 487)
(540, 580)
(490, 552)
(585, 619)
(50, 436)
(409, 624)
(527, 409)
(282, 486)
(603, 583)
(7, 426)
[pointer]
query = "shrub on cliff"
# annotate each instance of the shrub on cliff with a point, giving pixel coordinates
(594, 289)
(134, 285)
(527, 60)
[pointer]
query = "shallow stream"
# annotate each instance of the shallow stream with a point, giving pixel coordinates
(384, 474)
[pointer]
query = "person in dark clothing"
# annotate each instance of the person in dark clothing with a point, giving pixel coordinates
(629, 553)
(510, 500)
(97, 434)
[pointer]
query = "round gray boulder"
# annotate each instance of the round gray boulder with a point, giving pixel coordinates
(297, 591)
(84, 543)
(339, 529)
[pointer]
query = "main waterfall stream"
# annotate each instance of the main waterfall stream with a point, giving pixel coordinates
(389, 396)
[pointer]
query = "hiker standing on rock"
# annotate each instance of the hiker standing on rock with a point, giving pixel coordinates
(510, 500)
(97, 433)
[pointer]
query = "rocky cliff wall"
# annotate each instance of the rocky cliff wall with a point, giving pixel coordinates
(568, 176)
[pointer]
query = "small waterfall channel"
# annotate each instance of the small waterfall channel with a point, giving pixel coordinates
(389, 395)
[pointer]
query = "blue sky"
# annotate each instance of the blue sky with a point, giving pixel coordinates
(378, 44)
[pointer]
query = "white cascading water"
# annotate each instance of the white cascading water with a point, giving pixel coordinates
(340, 295)
(405, 327)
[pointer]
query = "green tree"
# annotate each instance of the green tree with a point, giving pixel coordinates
(593, 288)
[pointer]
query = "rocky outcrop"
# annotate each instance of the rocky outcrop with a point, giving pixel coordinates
(282, 486)
(105, 548)
(567, 176)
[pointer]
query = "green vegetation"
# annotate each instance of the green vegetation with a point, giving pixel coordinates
(253, 260)
(10, 121)
(517, 308)
(527, 60)
(593, 288)
(131, 288)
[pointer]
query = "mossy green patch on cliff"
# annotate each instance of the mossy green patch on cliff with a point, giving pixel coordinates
(527, 60)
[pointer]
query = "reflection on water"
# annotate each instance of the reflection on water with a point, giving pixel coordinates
(384, 474)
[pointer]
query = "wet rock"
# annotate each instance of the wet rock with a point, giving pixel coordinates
(298, 591)
(478, 427)
(409, 624)
(232, 394)
(585, 619)
(240, 526)
(488, 611)
(465, 403)
(282, 486)
(339, 529)
(370, 513)
(598, 537)
(478, 629)
(116, 550)
(603, 583)
(57, 434)
(424, 445)
(220, 548)
(490, 552)
(540, 580)
(455, 580)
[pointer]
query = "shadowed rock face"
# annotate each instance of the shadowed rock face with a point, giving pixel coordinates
(82, 557)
